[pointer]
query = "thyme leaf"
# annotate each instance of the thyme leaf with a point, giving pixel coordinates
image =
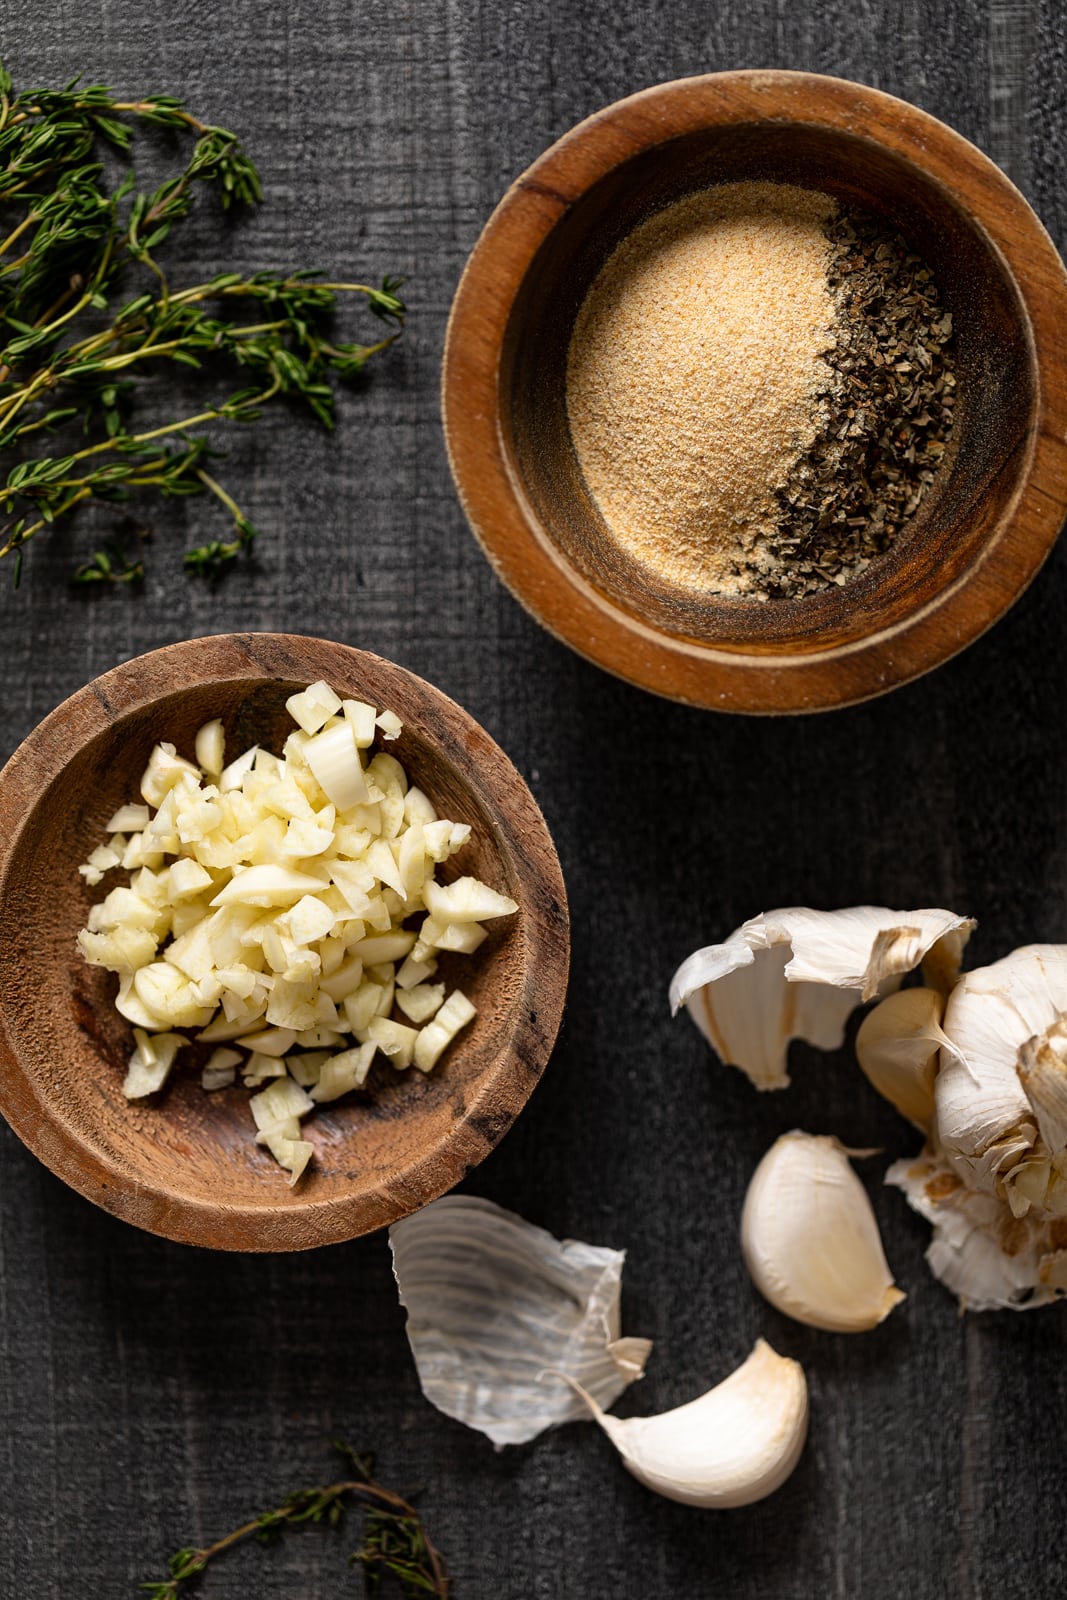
(79, 332)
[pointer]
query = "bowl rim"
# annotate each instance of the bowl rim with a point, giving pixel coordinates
(539, 574)
(501, 1093)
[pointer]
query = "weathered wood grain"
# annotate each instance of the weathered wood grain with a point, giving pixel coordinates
(151, 1394)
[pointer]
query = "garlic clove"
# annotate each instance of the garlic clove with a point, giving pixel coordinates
(898, 1045)
(991, 1259)
(1042, 1070)
(733, 1446)
(503, 1318)
(799, 974)
(810, 1239)
(996, 1093)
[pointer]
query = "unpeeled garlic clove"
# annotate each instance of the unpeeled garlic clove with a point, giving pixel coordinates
(733, 1446)
(898, 1045)
(799, 974)
(810, 1239)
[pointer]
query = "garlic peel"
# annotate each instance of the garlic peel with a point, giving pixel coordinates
(798, 974)
(733, 1446)
(502, 1317)
(990, 1259)
(810, 1239)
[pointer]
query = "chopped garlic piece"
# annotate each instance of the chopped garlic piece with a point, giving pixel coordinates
(292, 1153)
(334, 759)
(313, 707)
(218, 1070)
(270, 1042)
(165, 769)
(342, 1073)
(187, 877)
(150, 1063)
(456, 1012)
(421, 1001)
(362, 719)
(393, 1039)
(210, 747)
(466, 900)
(128, 819)
(260, 1068)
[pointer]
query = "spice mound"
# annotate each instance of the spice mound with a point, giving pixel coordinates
(760, 390)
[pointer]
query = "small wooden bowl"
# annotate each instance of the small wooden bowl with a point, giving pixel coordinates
(186, 1165)
(998, 502)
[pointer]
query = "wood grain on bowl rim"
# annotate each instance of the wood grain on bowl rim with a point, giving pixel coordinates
(813, 676)
(187, 1169)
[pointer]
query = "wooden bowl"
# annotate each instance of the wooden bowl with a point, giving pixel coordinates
(998, 502)
(185, 1164)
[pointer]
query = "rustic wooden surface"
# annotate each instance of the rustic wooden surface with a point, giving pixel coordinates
(153, 1394)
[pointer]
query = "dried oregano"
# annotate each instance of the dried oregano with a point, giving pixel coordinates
(887, 414)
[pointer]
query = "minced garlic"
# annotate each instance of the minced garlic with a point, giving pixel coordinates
(267, 907)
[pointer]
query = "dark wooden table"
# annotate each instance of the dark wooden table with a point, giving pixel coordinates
(153, 1395)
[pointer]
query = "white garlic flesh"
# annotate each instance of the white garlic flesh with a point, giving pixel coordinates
(731, 1447)
(898, 1047)
(810, 1239)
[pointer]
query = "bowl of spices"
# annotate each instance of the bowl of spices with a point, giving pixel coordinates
(754, 391)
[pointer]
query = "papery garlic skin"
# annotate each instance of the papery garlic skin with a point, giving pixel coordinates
(731, 1447)
(810, 1239)
(799, 974)
(990, 1259)
(506, 1322)
(1001, 1091)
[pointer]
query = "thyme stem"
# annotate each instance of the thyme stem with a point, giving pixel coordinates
(395, 1540)
(78, 242)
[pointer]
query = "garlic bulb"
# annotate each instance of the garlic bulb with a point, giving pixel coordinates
(1001, 1092)
(990, 1259)
(799, 974)
(810, 1239)
(503, 1319)
(898, 1046)
(734, 1445)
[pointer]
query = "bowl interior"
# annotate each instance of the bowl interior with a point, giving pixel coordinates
(995, 372)
(197, 1148)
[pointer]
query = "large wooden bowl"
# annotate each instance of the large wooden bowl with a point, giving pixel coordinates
(999, 500)
(185, 1164)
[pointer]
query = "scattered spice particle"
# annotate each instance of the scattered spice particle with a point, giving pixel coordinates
(760, 390)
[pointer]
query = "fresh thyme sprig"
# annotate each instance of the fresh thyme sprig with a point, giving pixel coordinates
(75, 343)
(395, 1541)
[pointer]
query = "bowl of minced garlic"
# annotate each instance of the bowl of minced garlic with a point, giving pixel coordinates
(285, 942)
(754, 391)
